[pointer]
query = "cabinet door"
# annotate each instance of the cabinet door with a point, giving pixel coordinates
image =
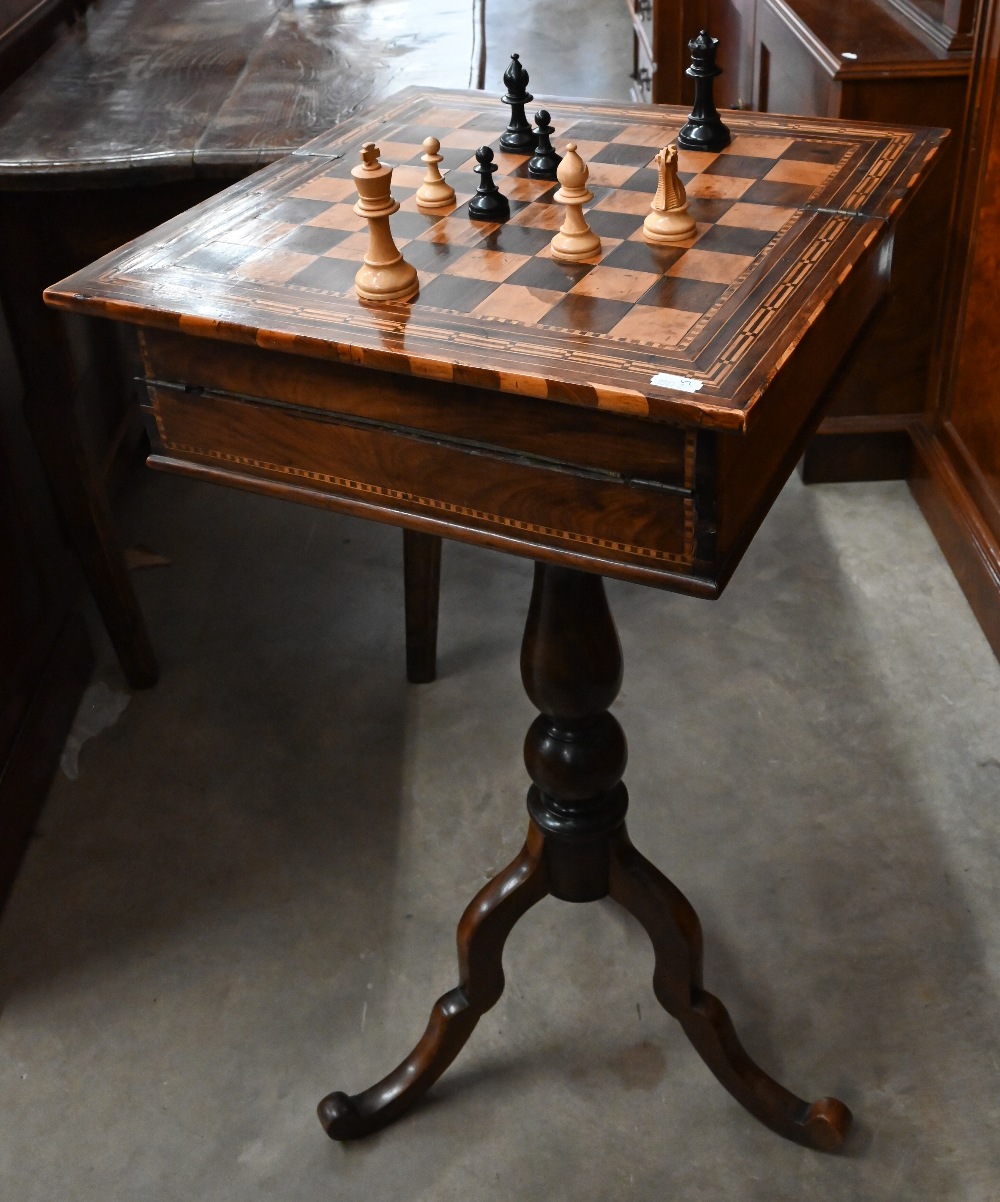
(668, 26)
(733, 22)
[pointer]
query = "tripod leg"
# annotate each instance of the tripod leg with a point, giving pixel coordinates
(673, 927)
(482, 932)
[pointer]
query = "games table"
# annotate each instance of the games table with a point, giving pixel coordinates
(632, 416)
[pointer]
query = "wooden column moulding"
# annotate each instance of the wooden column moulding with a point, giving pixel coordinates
(956, 476)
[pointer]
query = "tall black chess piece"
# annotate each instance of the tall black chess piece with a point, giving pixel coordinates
(544, 162)
(488, 204)
(517, 137)
(704, 129)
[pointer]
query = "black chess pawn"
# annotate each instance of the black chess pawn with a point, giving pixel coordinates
(704, 129)
(543, 163)
(488, 204)
(517, 137)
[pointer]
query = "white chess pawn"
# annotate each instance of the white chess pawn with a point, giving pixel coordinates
(386, 275)
(433, 193)
(575, 240)
(668, 219)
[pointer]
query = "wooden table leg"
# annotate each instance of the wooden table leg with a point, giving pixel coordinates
(422, 586)
(578, 850)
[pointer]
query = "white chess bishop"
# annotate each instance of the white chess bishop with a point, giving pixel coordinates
(575, 239)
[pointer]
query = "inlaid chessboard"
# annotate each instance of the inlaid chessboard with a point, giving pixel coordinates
(690, 332)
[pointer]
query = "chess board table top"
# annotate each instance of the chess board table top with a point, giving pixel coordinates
(693, 333)
(634, 415)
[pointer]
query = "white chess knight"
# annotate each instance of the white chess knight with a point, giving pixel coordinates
(575, 240)
(668, 219)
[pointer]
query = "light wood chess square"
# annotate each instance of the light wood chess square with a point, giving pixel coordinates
(757, 217)
(695, 160)
(486, 264)
(798, 171)
(647, 135)
(719, 187)
(273, 267)
(519, 187)
(759, 146)
(442, 116)
(713, 267)
(326, 187)
(656, 325)
(585, 149)
(513, 302)
(408, 176)
(462, 139)
(610, 175)
(625, 201)
(615, 283)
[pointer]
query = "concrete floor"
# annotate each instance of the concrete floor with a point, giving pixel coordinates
(248, 895)
(245, 892)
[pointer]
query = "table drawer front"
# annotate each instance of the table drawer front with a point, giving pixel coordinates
(482, 497)
(631, 448)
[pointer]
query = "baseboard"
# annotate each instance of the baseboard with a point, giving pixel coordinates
(970, 545)
(34, 758)
(839, 457)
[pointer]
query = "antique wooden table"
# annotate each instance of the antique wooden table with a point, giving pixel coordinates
(634, 416)
(133, 113)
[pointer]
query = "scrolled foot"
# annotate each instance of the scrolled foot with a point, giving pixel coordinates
(675, 933)
(484, 927)
(339, 1118)
(827, 1124)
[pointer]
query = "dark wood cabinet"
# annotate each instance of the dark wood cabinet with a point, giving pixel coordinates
(661, 33)
(45, 655)
(957, 473)
(898, 61)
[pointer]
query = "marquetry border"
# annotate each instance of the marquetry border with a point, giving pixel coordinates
(402, 497)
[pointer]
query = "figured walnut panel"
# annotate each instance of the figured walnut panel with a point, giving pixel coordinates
(398, 475)
(490, 421)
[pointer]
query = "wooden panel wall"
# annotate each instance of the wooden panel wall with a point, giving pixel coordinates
(863, 60)
(957, 475)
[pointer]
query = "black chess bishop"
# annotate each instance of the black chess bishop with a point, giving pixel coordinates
(517, 137)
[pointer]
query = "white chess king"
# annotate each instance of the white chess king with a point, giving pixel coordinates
(385, 276)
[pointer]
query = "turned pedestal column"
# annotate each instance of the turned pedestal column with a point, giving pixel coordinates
(578, 850)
